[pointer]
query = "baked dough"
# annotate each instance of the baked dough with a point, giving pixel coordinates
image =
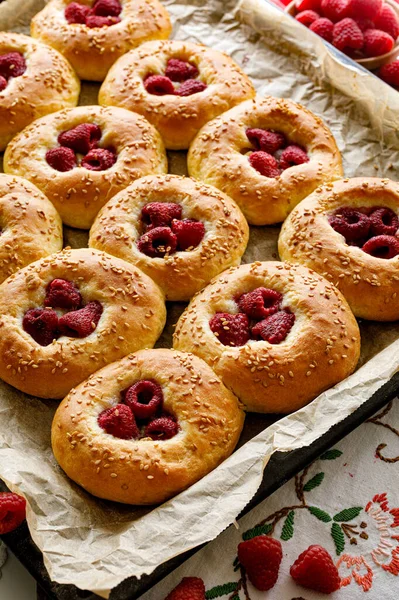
(93, 51)
(177, 118)
(219, 156)
(181, 274)
(30, 227)
(370, 284)
(133, 317)
(47, 85)
(78, 194)
(321, 349)
(146, 471)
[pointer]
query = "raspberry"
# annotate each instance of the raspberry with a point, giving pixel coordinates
(307, 17)
(190, 588)
(157, 242)
(189, 233)
(12, 511)
(162, 428)
(231, 330)
(119, 422)
(377, 42)
(387, 21)
(382, 246)
(81, 138)
(260, 303)
(324, 28)
(267, 141)
(106, 8)
(144, 398)
(12, 64)
(264, 163)
(350, 223)
(261, 557)
(275, 328)
(364, 24)
(314, 569)
(61, 159)
(347, 35)
(98, 159)
(62, 294)
(81, 323)
(3, 83)
(180, 70)
(335, 10)
(159, 85)
(302, 5)
(390, 73)
(76, 13)
(190, 87)
(93, 21)
(293, 155)
(160, 214)
(41, 324)
(384, 222)
(369, 9)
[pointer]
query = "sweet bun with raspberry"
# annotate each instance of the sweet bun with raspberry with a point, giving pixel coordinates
(276, 334)
(30, 227)
(146, 427)
(93, 34)
(177, 86)
(35, 80)
(267, 154)
(81, 157)
(349, 233)
(69, 314)
(180, 232)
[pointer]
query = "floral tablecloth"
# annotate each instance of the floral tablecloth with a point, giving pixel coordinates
(346, 501)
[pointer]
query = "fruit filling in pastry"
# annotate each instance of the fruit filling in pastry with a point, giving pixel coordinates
(103, 13)
(261, 318)
(140, 414)
(272, 153)
(165, 232)
(373, 230)
(45, 325)
(12, 64)
(180, 79)
(81, 140)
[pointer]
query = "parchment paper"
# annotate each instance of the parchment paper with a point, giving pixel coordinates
(96, 544)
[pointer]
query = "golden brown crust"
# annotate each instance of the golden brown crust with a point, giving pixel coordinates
(48, 84)
(93, 51)
(180, 275)
(79, 194)
(321, 349)
(370, 284)
(177, 118)
(146, 471)
(216, 157)
(30, 227)
(133, 318)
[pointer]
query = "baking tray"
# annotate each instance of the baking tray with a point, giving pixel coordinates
(281, 467)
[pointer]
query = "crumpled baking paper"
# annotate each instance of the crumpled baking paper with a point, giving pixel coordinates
(96, 544)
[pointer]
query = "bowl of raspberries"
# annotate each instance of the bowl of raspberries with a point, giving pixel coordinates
(365, 30)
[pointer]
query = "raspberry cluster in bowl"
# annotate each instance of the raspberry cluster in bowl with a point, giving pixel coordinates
(103, 13)
(261, 317)
(374, 230)
(359, 28)
(140, 414)
(272, 153)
